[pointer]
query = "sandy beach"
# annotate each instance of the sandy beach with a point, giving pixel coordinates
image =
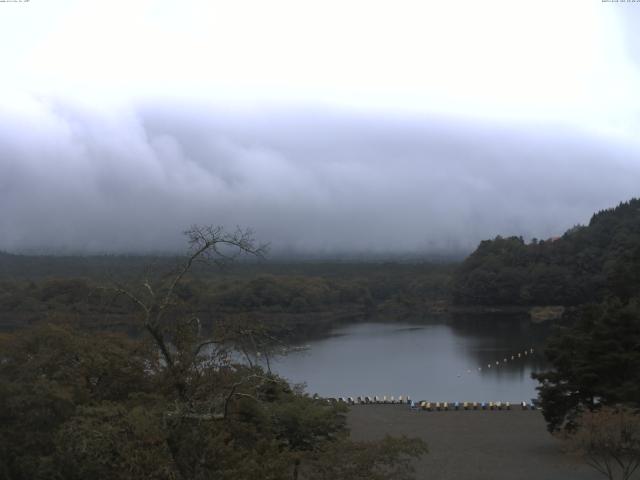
(474, 445)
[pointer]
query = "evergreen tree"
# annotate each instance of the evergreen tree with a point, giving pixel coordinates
(595, 362)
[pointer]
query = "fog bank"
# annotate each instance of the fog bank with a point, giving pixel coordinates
(79, 178)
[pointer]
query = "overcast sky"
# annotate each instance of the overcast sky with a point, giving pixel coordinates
(409, 126)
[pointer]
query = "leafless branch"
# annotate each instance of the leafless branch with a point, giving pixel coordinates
(208, 243)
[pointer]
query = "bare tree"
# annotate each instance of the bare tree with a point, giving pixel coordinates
(609, 441)
(178, 334)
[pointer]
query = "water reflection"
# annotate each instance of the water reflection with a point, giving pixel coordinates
(441, 361)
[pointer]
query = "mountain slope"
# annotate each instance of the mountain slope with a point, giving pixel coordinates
(588, 263)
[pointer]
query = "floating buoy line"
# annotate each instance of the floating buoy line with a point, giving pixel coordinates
(446, 406)
(513, 358)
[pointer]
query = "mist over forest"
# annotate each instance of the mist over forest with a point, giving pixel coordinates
(328, 129)
(78, 179)
(252, 240)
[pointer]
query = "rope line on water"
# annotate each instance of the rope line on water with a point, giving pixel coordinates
(444, 406)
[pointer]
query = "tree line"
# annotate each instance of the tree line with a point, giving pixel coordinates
(175, 402)
(293, 296)
(590, 395)
(586, 264)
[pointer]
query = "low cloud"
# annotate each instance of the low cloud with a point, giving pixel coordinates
(84, 179)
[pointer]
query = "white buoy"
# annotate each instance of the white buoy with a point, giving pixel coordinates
(488, 365)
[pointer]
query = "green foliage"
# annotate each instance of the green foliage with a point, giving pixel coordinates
(48, 372)
(585, 264)
(300, 299)
(175, 405)
(302, 422)
(75, 405)
(595, 362)
(110, 440)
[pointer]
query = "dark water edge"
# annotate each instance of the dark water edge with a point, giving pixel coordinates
(310, 327)
(402, 352)
(450, 357)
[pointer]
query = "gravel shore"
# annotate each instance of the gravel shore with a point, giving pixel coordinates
(474, 445)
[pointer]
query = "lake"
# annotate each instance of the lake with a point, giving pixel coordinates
(428, 360)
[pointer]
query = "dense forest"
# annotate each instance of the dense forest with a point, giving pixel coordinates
(300, 298)
(586, 264)
(596, 361)
(173, 401)
(593, 353)
(121, 367)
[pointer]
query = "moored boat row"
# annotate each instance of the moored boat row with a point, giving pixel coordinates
(445, 406)
(433, 406)
(363, 400)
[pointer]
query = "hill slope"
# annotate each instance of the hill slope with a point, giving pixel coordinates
(588, 263)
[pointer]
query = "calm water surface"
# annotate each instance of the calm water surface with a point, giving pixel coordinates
(426, 360)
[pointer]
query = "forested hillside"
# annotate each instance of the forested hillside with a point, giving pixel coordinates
(588, 263)
(305, 297)
(174, 401)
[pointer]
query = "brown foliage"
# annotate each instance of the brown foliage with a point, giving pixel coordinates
(609, 441)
